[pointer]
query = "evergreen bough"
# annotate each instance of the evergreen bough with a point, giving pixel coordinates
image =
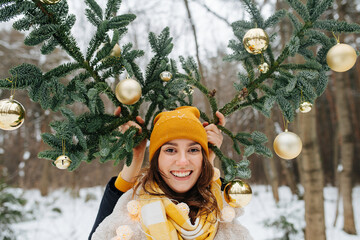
(95, 134)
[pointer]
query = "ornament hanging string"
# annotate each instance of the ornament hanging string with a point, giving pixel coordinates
(337, 38)
(286, 124)
(63, 146)
(302, 96)
(13, 86)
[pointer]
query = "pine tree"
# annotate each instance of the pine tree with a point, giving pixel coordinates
(95, 132)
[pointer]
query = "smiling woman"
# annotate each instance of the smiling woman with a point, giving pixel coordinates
(178, 196)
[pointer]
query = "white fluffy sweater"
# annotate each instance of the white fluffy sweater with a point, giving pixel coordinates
(107, 229)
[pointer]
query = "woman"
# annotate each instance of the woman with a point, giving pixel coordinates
(178, 196)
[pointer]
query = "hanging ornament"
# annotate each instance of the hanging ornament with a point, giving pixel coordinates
(116, 51)
(237, 193)
(287, 145)
(50, 1)
(264, 67)
(12, 114)
(341, 57)
(62, 162)
(166, 76)
(256, 41)
(128, 91)
(305, 107)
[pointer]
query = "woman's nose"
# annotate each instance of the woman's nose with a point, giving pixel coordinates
(182, 159)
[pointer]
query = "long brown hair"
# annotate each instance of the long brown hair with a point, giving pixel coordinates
(199, 198)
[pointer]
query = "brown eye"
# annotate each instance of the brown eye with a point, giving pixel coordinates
(170, 150)
(194, 150)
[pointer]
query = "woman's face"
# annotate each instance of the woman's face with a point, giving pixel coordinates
(180, 162)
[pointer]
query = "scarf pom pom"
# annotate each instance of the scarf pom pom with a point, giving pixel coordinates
(133, 207)
(184, 208)
(216, 174)
(228, 214)
(123, 232)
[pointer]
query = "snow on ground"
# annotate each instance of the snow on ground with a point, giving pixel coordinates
(60, 216)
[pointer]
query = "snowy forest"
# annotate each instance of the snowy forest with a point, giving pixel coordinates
(330, 132)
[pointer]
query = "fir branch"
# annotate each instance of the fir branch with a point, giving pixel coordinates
(320, 9)
(311, 4)
(40, 34)
(112, 7)
(10, 11)
(286, 107)
(251, 8)
(95, 8)
(49, 46)
(337, 26)
(93, 19)
(295, 22)
(300, 8)
(274, 19)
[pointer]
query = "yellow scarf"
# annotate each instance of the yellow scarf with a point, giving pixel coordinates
(161, 219)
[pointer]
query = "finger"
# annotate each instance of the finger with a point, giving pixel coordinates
(205, 124)
(133, 124)
(140, 120)
(222, 120)
(117, 111)
(212, 128)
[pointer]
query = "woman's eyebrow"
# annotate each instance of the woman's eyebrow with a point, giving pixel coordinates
(170, 143)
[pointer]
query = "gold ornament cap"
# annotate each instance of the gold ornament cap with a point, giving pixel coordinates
(341, 57)
(62, 162)
(264, 67)
(166, 76)
(189, 90)
(287, 145)
(305, 107)
(128, 91)
(237, 193)
(256, 41)
(12, 114)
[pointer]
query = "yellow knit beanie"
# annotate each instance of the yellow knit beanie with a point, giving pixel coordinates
(181, 123)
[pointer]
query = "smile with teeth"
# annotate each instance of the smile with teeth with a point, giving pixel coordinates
(181, 173)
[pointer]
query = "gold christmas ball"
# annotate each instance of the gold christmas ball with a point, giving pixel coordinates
(116, 51)
(49, 1)
(12, 114)
(341, 57)
(305, 107)
(62, 162)
(263, 68)
(128, 91)
(189, 90)
(256, 41)
(166, 76)
(237, 193)
(287, 145)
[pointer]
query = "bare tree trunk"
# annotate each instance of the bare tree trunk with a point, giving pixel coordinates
(346, 153)
(202, 80)
(44, 180)
(347, 143)
(312, 178)
(271, 172)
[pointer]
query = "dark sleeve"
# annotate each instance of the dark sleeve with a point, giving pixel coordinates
(222, 184)
(108, 202)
